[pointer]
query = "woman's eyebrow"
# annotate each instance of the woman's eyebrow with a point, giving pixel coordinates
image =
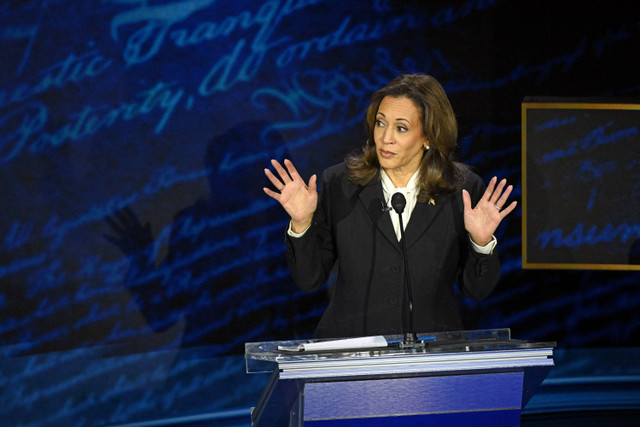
(397, 120)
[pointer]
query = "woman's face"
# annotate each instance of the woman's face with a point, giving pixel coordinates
(398, 136)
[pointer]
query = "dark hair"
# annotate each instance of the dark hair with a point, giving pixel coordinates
(439, 174)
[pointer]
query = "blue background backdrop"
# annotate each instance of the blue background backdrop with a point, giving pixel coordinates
(137, 249)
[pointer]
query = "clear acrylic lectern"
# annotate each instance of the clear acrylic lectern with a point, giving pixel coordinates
(447, 379)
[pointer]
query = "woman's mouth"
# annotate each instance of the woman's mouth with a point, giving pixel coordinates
(386, 154)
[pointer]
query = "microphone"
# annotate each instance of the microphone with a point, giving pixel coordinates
(398, 202)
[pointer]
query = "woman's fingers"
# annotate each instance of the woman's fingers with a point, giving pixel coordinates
(503, 198)
(287, 179)
(488, 192)
(506, 211)
(284, 176)
(293, 172)
(313, 183)
(278, 184)
(273, 194)
(496, 193)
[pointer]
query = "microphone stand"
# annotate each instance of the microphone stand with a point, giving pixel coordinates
(398, 203)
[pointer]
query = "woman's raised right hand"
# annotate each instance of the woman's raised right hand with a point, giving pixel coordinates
(297, 198)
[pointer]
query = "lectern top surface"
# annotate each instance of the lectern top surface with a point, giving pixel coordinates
(453, 344)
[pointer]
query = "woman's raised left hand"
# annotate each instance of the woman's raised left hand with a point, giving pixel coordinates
(482, 220)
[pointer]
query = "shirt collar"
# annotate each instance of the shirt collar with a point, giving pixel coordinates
(388, 187)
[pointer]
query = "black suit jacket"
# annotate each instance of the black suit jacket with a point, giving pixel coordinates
(368, 297)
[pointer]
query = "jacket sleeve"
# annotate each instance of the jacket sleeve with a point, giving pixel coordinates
(480, 273)
(311, 257)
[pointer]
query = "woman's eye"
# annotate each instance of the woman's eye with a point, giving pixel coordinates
(379, 123)
(401, 129)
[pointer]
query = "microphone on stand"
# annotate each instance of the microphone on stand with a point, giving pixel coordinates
(398, 202)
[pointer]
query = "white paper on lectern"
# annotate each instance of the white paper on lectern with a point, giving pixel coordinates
(341, 344)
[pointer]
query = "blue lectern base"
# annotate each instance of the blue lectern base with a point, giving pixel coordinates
(445, 400)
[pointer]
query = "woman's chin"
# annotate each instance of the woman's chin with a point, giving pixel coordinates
(386, 163)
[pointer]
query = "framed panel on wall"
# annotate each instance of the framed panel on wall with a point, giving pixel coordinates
(581, 184)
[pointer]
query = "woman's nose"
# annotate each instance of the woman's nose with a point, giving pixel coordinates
(387, 136)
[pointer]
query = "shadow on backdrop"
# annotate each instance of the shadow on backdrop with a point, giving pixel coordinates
(224, 276)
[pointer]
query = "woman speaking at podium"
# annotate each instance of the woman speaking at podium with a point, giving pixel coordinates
(448, 219)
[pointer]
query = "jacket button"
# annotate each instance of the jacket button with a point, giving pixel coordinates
(483, 269)
(395, 269)
(393, 300)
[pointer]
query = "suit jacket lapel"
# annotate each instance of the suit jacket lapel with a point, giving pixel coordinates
(421, 218)
(373, 199)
